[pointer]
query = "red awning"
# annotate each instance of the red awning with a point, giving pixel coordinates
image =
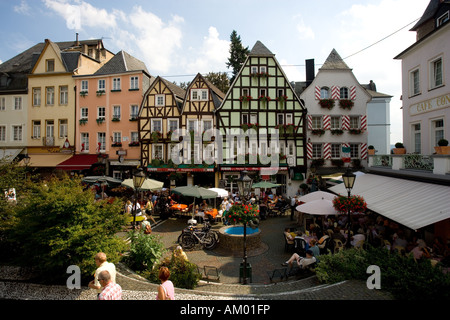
(78, 162)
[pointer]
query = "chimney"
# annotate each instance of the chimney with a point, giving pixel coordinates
(310, 73)
(77, 43)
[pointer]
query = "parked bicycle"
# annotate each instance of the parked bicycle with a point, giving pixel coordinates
(192, 236)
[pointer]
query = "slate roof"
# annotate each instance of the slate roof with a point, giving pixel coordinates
(259, 49)
(334, 61)
(122, 62)
(428, 14)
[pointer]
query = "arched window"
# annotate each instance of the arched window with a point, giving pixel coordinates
(344, 93)
(324, 93)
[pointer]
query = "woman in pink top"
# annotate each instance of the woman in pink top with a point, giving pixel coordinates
(166, 290)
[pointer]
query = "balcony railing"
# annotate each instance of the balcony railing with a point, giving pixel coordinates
(436, 164)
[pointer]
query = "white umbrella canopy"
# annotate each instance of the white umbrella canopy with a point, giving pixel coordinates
(322, 207)
(222, 193)
(149, 184)
(317, 195)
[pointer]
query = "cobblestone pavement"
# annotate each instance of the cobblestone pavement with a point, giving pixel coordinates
(266, 258)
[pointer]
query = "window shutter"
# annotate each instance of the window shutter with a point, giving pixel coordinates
(327, 150)
(352, 92)
(326, 122)
(363, 122)
(309, 122)
(309, 152)
(363, 150)
(345, 122)
(317, 93)
(335, 93)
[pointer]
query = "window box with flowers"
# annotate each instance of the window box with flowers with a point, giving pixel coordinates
(83, 121)
(134, 118)
(100, 93)
(245, 99)
(83, 93)
(246, 126)
(337, 132)
(355, 131)
(134, 144)
(318, 132)
(290, 128)
(115, 119)
(327, 103)
(352, 204)
(116, 144)
(282, 100)
(264, 100)
(100, 120)
(156, 135)
(282, 157)
(346, 104)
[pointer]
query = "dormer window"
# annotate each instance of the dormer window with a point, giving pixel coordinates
(442, 19)
(199, 94)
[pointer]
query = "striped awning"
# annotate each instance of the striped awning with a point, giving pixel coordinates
(413, 204)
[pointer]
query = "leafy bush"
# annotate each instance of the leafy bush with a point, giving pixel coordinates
(183, 273)
(404, 277)
(60, 225)
(145, 250)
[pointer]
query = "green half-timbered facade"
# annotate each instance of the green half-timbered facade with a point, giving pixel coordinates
(260, 100)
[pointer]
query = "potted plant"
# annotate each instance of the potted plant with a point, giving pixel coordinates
(156, 135)
(399, 148)
(443, 147)
(371, 150)
(352, 204)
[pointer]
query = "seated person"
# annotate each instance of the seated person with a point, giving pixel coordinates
(172, 202)
(302, 262)
(289, 235)
(204, 206)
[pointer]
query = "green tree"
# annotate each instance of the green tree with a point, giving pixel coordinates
(61, 224)
(238, 54)
(220, 80)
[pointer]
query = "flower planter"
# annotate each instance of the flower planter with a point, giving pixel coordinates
(346, 104)
(327, 103)
(318, 132)
(442, 150)
(399, 150)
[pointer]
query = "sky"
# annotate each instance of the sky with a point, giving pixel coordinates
(179, 38)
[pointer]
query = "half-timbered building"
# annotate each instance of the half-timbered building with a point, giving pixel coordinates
(260, 101)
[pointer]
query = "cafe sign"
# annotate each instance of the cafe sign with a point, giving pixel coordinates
(430, 105)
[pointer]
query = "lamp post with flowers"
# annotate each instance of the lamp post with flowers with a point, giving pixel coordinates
(244, 213)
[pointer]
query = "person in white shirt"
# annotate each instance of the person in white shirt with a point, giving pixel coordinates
(102, 264)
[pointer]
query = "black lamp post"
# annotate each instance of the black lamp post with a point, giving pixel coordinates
(26, 160)
(138, 180)
(245, 185)
(349, 180)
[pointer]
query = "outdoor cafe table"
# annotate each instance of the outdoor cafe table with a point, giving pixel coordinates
(178, 207)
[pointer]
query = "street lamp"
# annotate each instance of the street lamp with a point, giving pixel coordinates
(245, 186)
(349, 180)
(138, 180)
(26, 160)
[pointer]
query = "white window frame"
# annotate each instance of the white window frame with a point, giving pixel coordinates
(84, 138)
(336, 150)
(435, 129)
(325, 93)
(207, 121)
(354, 150)
(434, 83)
(160, 100)
(116, 84)
(2, 133)
(192, 127)
(36, 127)
(316, 122)
(253, 69)
(101, 138)
(134, 82)
(2, 103)
(344, 93)
(289, 118)
(416, 137)
(84, 86)
(154, 149)
(354, 122)
(50, 96)
(63, 128)
(17, 103)
(63, 95)
(413, 90)
(101, 84)
(134, 136)
(101, 112)
(117, 112)
(263, 69)
(134, 114)
(117, 137)
(317, 151)
(199, 94)
(36, 97)
(153, 121)
(84, 113)
(442, 19)
(169, 120)
(17, 133)
(333, 120)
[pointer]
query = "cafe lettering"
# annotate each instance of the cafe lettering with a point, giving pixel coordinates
(430, 105)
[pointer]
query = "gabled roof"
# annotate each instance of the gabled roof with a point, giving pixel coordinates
(428, 14)
(217, 94)
(122, 62)
(334, 61)
(259, 49)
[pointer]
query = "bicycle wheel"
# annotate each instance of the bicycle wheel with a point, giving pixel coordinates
(209, 241)
(187, 241)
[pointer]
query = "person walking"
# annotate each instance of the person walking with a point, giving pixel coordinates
(111, 290)
(102, 264)
(149, 210)
(166, 290)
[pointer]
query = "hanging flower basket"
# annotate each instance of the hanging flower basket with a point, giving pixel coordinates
(282, 100)
(327, 103)
(242, 213)
(354, 204)
(346, 104)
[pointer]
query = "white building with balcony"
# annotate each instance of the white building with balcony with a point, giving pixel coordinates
(426, 80)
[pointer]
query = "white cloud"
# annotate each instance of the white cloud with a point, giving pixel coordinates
(304, 32)
(81, 14)
(23, 8)
(211, 56)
